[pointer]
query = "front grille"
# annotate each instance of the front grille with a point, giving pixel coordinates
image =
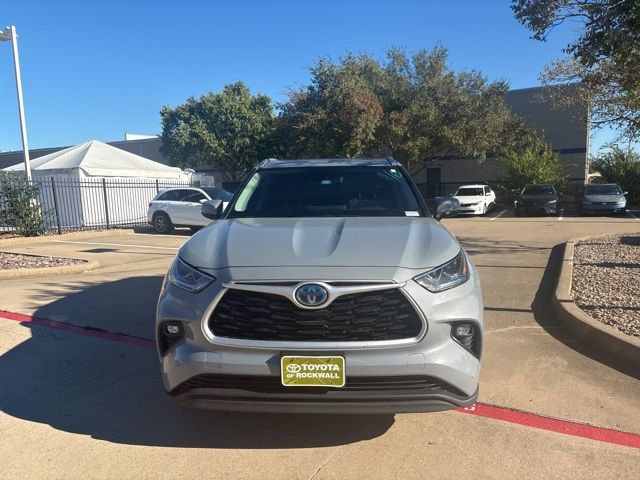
(273, 385)
(368, 316)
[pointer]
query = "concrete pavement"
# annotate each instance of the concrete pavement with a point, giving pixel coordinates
(75, 406)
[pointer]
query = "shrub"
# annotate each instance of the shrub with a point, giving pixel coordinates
(533, 165)
(621, 166)
(18, 205)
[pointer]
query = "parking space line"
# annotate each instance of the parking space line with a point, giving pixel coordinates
(499, 214)
(157, 235)
(119, 245)
(505, 414)
(633, 215)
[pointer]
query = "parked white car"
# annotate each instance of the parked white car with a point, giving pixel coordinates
(475, 199)
(180, 207)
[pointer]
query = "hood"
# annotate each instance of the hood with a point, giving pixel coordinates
(415, 243)
(538, 198)
(604, 198)
(469, 198)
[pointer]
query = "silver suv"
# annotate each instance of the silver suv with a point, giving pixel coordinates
(325, 286)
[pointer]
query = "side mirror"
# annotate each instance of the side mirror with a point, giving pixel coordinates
(201, 201)
(445, 207)
(488, 193)
(211, 209)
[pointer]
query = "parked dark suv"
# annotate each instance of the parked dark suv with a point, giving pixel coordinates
(537, 199)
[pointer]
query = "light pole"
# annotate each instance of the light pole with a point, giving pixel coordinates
(9, 35)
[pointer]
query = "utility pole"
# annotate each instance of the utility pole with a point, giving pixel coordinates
(9, 35)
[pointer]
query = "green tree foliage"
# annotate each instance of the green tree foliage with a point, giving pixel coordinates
(604, 58)
(537, 164)
(229, 130)
(621, 166)
(18, 206)
(408, 106)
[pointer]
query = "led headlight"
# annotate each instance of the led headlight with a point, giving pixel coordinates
(188, 278)
(453, 273)
(552, 202)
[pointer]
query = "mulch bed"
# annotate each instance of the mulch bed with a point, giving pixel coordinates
(9, 261)
(606, 280)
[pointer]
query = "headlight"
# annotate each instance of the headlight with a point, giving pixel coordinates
(475, 203)
(187, 277)
(551, 202)
(453, 273)
(621, 203)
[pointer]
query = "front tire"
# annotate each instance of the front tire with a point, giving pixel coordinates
(162, 223)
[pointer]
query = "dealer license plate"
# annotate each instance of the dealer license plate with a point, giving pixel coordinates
(301, 371)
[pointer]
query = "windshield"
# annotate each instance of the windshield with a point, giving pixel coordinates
(538, 190)
(603, 190)
(327, 192)
(469, 192)
(218, 194)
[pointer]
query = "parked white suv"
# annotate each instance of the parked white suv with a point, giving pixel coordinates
(475, 199)
(180, 207)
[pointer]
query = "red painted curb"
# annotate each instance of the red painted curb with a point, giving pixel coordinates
(518, 417)
(68, 327)
(567, 427)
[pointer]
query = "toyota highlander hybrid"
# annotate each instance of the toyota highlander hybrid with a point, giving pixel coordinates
(324, 286)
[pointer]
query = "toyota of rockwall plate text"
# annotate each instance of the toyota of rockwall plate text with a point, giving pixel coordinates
(325, 286)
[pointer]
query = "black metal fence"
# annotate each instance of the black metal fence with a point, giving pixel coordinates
(68, 204)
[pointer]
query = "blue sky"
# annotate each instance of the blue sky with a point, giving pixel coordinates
(98, 69)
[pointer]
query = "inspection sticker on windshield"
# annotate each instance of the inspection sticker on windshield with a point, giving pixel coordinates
(412, 214)
(312, 371)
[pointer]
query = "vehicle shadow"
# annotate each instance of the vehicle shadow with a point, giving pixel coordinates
(547, 319)
(112, 391)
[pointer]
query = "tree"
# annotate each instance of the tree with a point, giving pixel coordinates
(229, 130)
(604, 59)
(408, 106)
(537, 164)
(621, 166)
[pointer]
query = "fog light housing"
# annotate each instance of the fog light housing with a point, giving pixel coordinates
(467, 334)
(169, 334)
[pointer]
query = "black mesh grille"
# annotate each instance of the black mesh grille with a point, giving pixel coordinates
(272, 385)
(369, 316)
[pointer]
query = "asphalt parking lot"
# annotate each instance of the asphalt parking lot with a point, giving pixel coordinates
(88, 402)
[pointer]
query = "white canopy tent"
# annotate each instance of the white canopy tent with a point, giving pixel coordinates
(97, 159)
(94, 184)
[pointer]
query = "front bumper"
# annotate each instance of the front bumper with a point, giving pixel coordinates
(247, 378)
(360, 395)
(472, 209)
(603, 208)
(529, 209)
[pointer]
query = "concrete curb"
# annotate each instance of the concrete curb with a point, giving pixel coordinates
(20, 241)
(594, 334)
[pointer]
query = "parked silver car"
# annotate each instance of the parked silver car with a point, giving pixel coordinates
(603, 198)
(326, 286)
(180, 207)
